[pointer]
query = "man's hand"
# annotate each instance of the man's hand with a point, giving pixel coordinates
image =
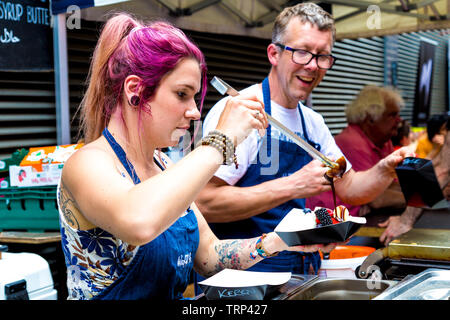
(395, 226)
(309, 180)
(438, 139)
(389, 163)
(398, 225)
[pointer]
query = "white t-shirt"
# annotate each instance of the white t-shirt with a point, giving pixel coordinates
(247, 151)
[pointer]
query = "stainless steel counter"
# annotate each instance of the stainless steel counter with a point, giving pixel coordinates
(433, 244)
(431, 284)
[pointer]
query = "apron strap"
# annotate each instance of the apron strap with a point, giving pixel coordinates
(268, 109)
(123, 157)
(305, 132)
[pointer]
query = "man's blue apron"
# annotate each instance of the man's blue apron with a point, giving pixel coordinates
(291, 158)
(161, 269)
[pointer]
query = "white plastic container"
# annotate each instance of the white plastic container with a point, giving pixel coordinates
(340, 268)
(343, 261)
(25, 275)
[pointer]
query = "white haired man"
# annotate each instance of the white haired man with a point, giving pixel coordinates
(373, 118)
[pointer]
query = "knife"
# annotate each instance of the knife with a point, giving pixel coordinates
(225, 88)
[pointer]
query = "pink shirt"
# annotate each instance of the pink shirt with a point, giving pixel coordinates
(362, 154)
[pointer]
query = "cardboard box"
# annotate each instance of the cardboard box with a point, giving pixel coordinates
(29, 177)
(42, 166)
(36, 157)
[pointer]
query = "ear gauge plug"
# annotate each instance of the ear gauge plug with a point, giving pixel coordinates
(134, 101)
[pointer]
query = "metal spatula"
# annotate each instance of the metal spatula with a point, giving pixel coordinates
(225, 88)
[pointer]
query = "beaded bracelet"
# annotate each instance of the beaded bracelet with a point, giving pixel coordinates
(222, 143)
(260, 251)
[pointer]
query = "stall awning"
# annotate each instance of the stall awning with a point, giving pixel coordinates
(60, 6)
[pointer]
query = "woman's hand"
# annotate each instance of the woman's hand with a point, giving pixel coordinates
(273, 243)
(240, 116)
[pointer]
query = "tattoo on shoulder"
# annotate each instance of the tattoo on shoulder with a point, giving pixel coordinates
(67, 205)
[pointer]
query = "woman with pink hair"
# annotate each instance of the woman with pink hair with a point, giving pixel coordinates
(130, 228)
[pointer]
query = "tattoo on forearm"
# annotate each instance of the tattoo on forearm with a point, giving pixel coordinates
(232, 254)
(67, 204)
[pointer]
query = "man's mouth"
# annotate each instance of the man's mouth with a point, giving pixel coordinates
(305, 79)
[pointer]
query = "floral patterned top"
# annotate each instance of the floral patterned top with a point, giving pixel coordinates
(94, 258)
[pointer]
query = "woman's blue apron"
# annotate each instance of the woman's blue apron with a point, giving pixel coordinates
(291, 158)
(162, 268)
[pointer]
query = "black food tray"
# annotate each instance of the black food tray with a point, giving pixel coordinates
(237, 293)
(338, 232)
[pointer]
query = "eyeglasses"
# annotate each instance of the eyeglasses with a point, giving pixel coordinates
(299, 56)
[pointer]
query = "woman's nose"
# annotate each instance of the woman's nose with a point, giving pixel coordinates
(193, 113)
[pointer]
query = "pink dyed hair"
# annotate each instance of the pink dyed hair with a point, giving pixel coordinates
(129, 47)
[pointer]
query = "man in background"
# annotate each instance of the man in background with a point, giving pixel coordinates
(373, 118)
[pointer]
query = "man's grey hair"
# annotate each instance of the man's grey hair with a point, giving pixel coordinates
(306, 12)
(371, 101)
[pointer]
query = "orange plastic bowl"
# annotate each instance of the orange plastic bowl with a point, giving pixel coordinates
(348, 252)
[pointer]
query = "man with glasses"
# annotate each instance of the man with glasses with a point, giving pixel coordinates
(299, 56)
(274, 175)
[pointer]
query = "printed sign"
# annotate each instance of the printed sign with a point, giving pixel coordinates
(25, 36)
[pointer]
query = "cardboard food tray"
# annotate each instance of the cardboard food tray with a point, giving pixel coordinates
(320, 235)
(237, 293)
(419, 184)
(242, 285)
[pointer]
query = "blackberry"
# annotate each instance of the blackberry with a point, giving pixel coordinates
(323, 216)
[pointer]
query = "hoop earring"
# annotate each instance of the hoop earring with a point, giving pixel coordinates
(134, 101)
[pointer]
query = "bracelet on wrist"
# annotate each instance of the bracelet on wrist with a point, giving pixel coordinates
(222, 143)
(260, 250)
